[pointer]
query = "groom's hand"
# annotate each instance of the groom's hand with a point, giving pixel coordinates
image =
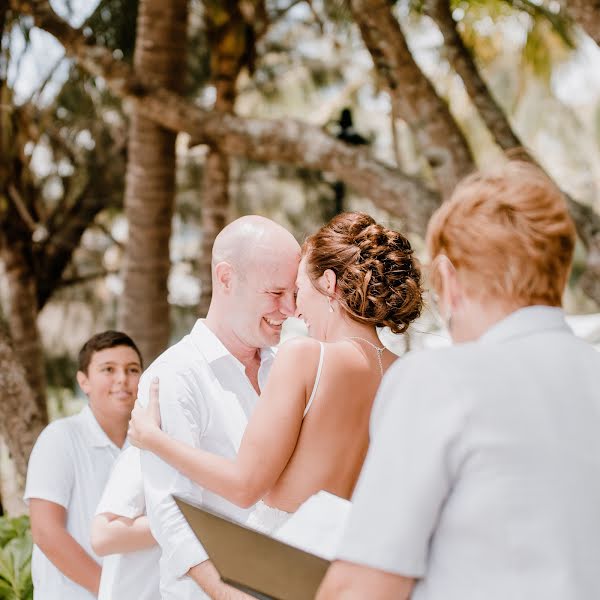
(207, 578)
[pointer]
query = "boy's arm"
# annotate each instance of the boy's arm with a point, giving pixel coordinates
(114, 534)
(120, 524)
(49, 532)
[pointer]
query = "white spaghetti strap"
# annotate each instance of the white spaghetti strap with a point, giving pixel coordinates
(316, 385)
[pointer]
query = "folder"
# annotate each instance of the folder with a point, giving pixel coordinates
(253, 562)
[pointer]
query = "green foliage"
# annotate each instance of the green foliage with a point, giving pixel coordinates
(15, 559)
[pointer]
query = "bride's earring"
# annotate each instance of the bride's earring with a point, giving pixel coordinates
(330, 305)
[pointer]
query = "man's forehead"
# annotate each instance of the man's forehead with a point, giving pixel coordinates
(275, 276)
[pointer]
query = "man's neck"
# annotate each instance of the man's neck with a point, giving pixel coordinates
(115, 431)
(247, 355)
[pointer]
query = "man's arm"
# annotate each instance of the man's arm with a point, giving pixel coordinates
(121, 524)
(181, 417)
(49, 532)
(206, 576)
(114, 534)
(349, 581)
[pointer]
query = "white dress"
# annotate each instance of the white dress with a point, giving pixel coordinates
(265, 518)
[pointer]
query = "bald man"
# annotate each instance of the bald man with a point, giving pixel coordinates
(209, 384)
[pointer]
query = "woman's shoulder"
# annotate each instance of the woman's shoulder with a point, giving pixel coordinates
(298, 346)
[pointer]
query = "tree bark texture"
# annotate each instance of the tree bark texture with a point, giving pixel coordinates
(228, 37)
(22, 418)
(587, 14)
(12, 485)
(438, 136)
(215, 208)
(461, 60)
(150, 179)
(22, 315)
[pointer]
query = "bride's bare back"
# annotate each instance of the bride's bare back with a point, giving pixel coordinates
(333, 438)
(354, 275)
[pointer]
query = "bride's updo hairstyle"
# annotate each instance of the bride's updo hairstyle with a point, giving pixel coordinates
(378, 278)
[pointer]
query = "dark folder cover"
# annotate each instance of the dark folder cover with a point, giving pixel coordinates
(253, 562)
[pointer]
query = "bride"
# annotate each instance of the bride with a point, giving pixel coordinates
(309, 431)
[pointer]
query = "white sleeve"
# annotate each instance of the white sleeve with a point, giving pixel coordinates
(407, 474)
(182, 419)
(124, 491)
(50, 472)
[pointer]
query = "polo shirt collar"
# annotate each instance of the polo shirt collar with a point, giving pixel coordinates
(213, 349)
(96, 435)
(526, 321)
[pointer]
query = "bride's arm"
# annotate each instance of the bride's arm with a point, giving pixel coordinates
(268, 442)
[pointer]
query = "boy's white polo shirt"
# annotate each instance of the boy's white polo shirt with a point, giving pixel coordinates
(132, 574)
(69, 465)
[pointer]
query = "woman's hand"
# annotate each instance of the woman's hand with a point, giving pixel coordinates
(144, 424)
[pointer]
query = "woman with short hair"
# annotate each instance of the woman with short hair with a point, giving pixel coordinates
(482, 480)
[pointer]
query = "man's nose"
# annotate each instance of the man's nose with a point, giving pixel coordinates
(287, 305)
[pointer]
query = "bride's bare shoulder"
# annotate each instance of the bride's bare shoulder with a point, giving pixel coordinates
(298, 345)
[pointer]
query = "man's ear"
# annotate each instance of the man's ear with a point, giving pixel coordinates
(224, 276)
(83, 381)
(328, 282)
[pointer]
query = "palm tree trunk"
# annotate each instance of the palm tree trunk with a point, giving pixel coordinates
(215, 207)
(228, 39)
(159, 58)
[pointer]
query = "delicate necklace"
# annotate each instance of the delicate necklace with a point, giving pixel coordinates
(377, 348)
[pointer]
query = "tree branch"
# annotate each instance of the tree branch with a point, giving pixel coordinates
(586, 219)
(278, 140)
(461, 60)
(438, 136)
(587, 14)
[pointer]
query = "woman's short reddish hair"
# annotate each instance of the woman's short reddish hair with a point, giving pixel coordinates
(508, 233)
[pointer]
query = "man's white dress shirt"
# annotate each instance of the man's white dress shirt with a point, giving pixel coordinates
(69, 465)
(483, 476)
(205, 401)
(131, 575)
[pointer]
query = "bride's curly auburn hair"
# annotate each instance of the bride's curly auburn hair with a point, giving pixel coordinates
(378, 277)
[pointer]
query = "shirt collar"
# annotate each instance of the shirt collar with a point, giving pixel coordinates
(97, 435)
(525, 321)
(213, 349)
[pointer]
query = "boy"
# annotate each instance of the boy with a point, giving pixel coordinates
(70, 464)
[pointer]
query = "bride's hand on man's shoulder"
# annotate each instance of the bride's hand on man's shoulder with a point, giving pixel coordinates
(145, 422)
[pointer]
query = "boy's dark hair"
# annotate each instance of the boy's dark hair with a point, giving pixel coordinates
(102, 341)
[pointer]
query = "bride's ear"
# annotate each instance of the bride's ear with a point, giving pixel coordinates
(328, 282)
